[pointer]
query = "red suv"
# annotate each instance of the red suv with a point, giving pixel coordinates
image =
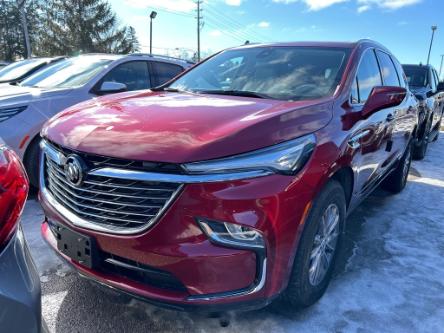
(231, 184)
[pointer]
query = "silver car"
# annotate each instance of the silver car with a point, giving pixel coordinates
(26, 107)
(20, 302)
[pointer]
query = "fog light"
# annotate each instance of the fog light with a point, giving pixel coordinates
(232, 235)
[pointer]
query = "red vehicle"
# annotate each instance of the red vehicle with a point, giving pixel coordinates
(231, 184)
(20, 295)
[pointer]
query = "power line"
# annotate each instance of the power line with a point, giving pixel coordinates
(234, 34)
(232, 22)
(236, 37)
(175, 12)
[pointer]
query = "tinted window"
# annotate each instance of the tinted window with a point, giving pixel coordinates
(368, 76)
(417, 76)
(20, 68)
(388, 71)
(133, 74)
(67, 73)
(401, 74)
(163, 72)
(287, 73)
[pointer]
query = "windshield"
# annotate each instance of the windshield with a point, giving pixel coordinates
(17, 69)
(67, 73)
(287, 73)
(416, 76)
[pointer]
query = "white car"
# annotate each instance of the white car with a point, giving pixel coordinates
(24, 108)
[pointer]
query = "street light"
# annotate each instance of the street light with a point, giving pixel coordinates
(434, 27)
(152, 17)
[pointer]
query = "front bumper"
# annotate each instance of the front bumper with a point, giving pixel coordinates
(20, 294)
(199, 272)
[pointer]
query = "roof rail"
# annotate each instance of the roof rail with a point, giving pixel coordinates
(161, 56)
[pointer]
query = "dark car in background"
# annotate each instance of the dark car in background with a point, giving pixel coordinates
(18, 71)
(424, 83)
(20, 305)
(230, 185)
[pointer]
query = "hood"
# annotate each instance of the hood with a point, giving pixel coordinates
(10, 94)
(179, 128)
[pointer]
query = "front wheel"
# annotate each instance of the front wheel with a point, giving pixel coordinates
(31, 162)
(317, 251)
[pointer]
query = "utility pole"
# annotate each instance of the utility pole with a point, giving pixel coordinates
(434, 27)
(199, 26)
(440, 67)
(21, 5)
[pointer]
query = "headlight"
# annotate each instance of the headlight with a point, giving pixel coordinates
(7, 113)
(285, 158)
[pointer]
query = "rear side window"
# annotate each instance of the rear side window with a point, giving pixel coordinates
(401, 75)
(368, 76)
(388, 70)
(163, 72)
(133, 74)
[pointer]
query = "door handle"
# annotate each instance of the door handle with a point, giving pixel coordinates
(354, 142)
(390, 117)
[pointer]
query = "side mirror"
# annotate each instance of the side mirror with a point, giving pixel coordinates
(382, 98)
(440, 87)
(109, 87)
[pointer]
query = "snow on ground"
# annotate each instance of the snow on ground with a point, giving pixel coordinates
(390, 277)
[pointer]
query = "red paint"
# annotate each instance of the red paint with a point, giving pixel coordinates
(23, 142)
(13, 192)
(178, 128)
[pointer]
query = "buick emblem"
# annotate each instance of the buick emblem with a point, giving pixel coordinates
(74, 170)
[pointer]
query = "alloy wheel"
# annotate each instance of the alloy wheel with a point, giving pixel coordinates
(324, 245)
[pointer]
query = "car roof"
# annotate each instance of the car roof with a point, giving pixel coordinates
(337, 44)
(417, 65)
(145, 56)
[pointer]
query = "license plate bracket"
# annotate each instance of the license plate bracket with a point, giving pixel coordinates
(78, 247)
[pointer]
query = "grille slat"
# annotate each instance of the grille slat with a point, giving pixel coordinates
(58, 183)
(109, 193)
(107, 211)
(109, 202)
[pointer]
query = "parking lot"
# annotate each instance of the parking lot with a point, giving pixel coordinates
(390, 277)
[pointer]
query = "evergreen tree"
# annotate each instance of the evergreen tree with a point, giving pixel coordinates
(12, 45)
(83, 26)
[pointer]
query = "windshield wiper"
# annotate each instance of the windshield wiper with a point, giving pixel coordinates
(241, 93)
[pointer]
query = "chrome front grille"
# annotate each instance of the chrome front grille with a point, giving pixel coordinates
(105, 203)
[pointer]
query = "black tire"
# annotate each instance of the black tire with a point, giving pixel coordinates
(438, 128)
(420, 146)
(301, 292)
(32, 162)
(397, 180)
